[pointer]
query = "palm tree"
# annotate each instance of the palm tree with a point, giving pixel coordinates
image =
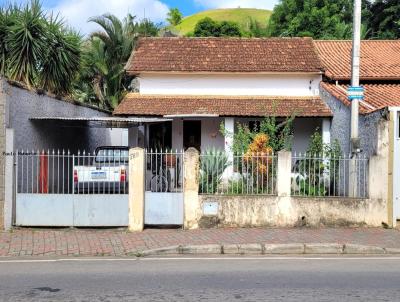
(37, 49)
(26, 43)
(105, 55)
(61, 57)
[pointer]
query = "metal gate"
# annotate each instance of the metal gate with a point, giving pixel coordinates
(50, 189)
(164, 188)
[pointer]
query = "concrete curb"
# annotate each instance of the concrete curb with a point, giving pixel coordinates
(271, 249)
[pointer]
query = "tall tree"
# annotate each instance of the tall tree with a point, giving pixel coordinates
(384, 21)
(37, 49)
(102, 79)
(174, 16)
(208, 27)
(320, 19)
(61, 56)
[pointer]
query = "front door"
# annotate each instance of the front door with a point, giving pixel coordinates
(192, 134)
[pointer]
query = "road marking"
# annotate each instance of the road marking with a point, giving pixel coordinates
(194, 258)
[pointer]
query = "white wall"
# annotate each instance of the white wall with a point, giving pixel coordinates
(210, 134)
(235, 84)
(303, 129)
(119, 137)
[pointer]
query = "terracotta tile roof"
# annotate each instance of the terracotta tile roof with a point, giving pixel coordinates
(156, 105)
(377, 96)
(380, 60)
(224, 55)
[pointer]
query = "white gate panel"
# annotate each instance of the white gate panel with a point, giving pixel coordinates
(97, 210)
(163, 208)
(44, 210)
(164, 188)
(53, 210)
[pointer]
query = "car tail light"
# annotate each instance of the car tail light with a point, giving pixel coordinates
(75, 176)
(122, 175)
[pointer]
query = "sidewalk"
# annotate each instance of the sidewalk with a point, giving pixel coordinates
(75, 242)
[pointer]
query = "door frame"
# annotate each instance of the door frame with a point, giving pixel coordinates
(199, 123)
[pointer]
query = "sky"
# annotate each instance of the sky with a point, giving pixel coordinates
(77, 12)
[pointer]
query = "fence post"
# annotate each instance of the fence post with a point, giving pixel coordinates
(136, 188)
(284, 179)
(191, 200)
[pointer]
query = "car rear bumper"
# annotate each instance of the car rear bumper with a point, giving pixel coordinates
(101, 187)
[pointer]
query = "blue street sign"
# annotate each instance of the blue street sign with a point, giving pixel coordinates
(355, 93)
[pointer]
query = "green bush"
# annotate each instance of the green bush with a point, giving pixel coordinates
(212, 165)
(320, 160)
(208, 27)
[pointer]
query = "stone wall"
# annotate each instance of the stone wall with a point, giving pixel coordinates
(340, 126)
(273, 211)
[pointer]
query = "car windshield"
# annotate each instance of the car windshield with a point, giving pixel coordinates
(112, 155)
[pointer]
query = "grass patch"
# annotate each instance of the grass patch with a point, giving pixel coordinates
(238, 15)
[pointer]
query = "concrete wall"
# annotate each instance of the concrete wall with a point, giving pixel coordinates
(2, 152)
(22, 104)
(258, 211)
(233, 84)
(285, 210)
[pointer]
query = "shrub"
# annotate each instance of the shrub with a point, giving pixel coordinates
(212, 165)
(313, 171)
(208, 27)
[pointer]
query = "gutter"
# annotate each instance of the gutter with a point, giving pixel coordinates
(190, 115)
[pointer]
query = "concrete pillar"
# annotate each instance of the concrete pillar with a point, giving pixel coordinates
(378, 177)
(9, 180)
(230, 131)
(379, 164)
(326, 131)
(284, 173)
(192, 205)
(3, 123)
(137, 163)
(393, 156)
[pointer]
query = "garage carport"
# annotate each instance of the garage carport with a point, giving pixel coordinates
(44, 193)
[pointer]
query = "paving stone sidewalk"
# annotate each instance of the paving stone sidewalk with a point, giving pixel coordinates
(95, 242)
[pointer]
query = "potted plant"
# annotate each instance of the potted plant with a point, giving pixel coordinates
(170, 160)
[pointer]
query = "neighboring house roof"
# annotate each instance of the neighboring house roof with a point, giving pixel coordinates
(241, 55)
(377, 96)
(380, 59)
(156, 105)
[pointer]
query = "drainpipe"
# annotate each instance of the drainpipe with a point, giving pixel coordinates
(355, 94)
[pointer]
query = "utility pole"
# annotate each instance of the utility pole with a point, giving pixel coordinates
(355, 94)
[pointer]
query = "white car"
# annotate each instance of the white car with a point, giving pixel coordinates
(104, 172)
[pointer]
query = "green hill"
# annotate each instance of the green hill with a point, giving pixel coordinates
(238, 15)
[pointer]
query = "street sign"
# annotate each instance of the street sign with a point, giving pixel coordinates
(355, 93)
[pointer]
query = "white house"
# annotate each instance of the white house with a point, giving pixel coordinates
(199, 83)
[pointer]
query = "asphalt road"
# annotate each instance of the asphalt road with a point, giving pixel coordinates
(258, 279)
